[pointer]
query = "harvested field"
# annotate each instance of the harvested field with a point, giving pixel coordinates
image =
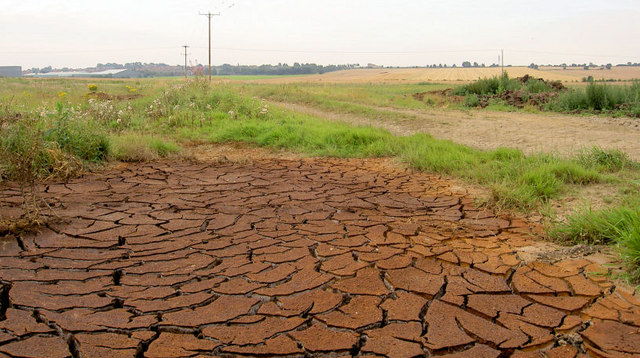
(311, 257)
(457, 75)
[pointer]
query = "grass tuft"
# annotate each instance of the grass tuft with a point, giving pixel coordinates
(610, 161)
(140, 148)
(618, 225)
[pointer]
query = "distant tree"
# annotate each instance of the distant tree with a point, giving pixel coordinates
(533, 66)
(564, 66)
(475, 64)
(586, 67)
(608, 66)
(466, 64)
(46, 69)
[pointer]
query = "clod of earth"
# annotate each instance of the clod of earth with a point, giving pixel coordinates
(295, 258)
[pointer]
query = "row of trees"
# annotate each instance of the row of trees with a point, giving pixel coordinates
(280, 69)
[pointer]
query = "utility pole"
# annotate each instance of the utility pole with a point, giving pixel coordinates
(502, 59)
(185, 60)
(209, 15)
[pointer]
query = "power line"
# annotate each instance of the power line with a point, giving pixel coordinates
(347, 52)
(209, 15)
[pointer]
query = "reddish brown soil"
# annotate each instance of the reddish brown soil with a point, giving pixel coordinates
(294, 257)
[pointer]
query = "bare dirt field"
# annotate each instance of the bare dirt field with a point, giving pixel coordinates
(295, 257)
(458, 75)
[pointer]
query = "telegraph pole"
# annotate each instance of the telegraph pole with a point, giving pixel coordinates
(209, 15)
(502, 59)
(185, 60)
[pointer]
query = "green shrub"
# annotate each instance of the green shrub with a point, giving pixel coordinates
(79, 138)
(599, 97)
(537, 86)
(489, 86)
(23, 155)
(471, 100)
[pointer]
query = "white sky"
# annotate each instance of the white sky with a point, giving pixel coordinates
(81, 33)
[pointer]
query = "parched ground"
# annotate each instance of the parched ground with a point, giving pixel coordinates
(295, 257)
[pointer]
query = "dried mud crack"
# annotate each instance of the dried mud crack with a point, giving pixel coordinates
(313, 257)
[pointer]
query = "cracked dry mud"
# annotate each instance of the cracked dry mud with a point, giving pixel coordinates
(314, 257)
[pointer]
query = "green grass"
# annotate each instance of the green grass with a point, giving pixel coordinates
(338, 97)
(605, 160)
(599, 97)
(619, 226)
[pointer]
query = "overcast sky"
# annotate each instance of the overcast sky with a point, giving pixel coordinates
(82, 33)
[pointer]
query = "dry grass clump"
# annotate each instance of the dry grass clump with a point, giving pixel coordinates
(141, 148)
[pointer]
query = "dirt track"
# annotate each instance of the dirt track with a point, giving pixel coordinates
(294, 257)
(532, 133)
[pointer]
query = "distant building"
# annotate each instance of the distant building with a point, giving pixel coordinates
(122, 73)
(10, 71)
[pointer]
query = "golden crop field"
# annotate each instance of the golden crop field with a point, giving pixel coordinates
(460, 75)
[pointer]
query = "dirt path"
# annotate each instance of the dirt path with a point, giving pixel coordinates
(312, 257)
(531, 133)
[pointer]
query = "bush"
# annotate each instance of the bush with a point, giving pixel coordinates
(92, 88)
(537, 86)
(23, 159)
(489, 86)
(471, 100)
(76, 137)
(23, 156)
(599, 97)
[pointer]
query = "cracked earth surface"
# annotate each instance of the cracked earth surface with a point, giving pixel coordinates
(309, 257)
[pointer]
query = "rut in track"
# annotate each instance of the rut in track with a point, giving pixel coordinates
(294, 257)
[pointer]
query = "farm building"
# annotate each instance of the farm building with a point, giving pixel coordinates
(122, 73)
(10, 71)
